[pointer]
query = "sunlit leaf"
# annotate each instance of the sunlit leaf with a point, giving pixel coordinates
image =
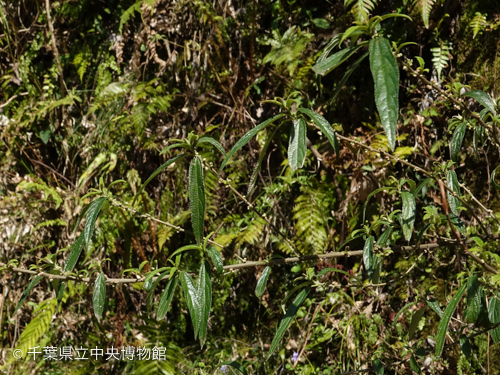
(327, 65)
(385, 74)
(262, 282)
(452, 183)
(408, 215)
(204, 292)
(483, 99)
(197, 197)
(191, 295)
(246, 138)
(415, 319)
(91, 218)
(287, 319)
(166, 298)
(31, 285)
(216, 257)
(297, 148)
(445, 320)
(99, 295)
(74, 254)
(474, 294)
(325, 128)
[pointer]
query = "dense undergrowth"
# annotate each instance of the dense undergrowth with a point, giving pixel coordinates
(93, 91)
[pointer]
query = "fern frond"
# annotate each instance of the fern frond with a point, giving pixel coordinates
(361, 8)
(252, 233)
(310, 223)
(38, 326)
(425, 7)
(440, 58)
(478, 23)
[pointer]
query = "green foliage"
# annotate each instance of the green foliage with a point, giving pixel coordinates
(286, 49)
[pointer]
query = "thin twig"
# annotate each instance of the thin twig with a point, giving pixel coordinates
(237, 266)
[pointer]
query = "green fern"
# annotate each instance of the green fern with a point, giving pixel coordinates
(478, 23)
(310, 223)
(440, 58)
(43, 188)
(361, 8)
(252, 232)
(164, 233)
(287, 48)
(425, 7)
(38, 326)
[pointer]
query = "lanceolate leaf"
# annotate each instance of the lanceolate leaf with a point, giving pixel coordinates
(287, 319)
(408, 215)
(494, 317)
(74, 254)
(385, 74)
(474, 294)
(414, 322)
(445, 320)
(205, 300)
(368, 258)
(155, 173)
(191, 295)
(434, 305)
(494, 310)
(216, 258)
(456, 141)
(166, 298)
(91, 218)
(244, 140)
(27, 291)
(80, 216)
(99, 295)
(325, 128)
(197, 197)
(327, 65)
(453, 184)
(484, 99)
(213, 142)
(297, 147)
(262, 282)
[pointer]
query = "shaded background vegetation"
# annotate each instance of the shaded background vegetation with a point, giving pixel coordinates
(122, 78)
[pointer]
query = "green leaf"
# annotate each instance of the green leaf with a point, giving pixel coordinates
(493, 182)
(474, 294)
(445, 320)
(415, 319)
(346, 76)
(456, 141)
(45, 135)
(403, 309)
(31, 285)
(262, 282)
(236, 365)
(99, 295)
(434, 305)
(452, 183)
(483, 99)
(91, 218)
(325, 128)
(494, 309)
(408, 215)
(184, 248)
(197, 197)
(327, 65)
(465, 345)
(414, 365)
(321, 23)
(204, 293)
(166, 298)
(191, 295)
(60, 292)
(151, 289)
(154, 174)
(246, 138)
(74, 254)
(421, 186)
(80, 216)
(368, 257)
(378, 367)
(287, 319)
(297, 148)
(216, 257)
(213, 142)
(385, 74)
